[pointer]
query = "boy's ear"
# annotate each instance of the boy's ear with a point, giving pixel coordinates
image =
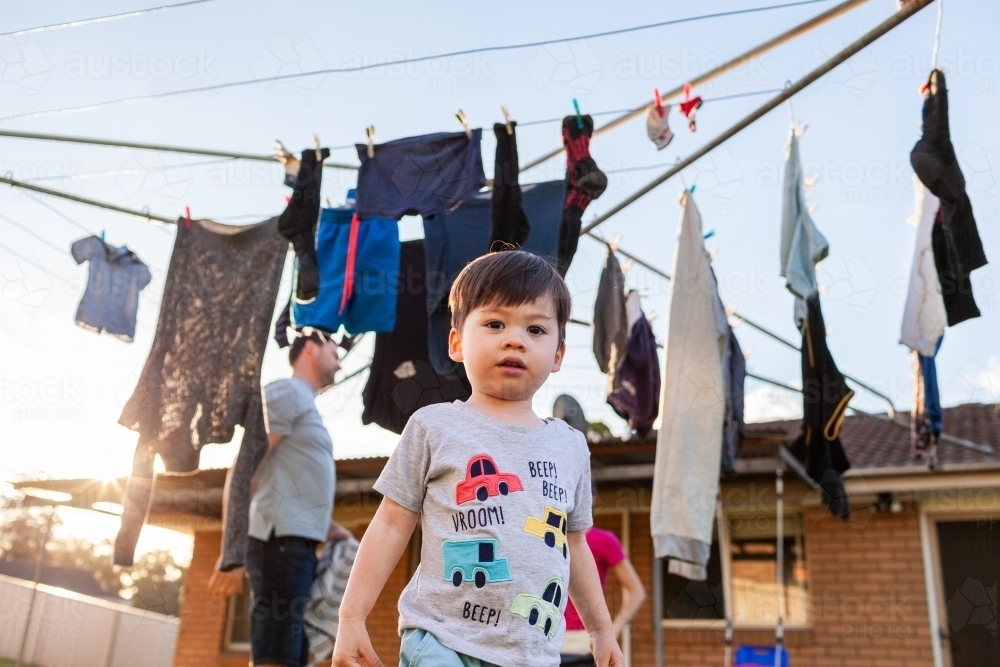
(557, 362)
(455, 346)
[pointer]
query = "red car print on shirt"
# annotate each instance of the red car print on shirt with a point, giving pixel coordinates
(482, 481)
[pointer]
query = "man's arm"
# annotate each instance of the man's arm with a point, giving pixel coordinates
(633, 592)
(588, 598)
(381, 547)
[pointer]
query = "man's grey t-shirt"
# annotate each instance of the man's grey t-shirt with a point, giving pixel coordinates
(295, 482)
(496, 501)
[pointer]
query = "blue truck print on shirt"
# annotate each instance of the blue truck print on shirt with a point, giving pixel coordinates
(474, 560)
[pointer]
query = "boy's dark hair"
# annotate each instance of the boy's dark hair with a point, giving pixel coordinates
(506, 279)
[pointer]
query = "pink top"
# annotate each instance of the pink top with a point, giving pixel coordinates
(607, 552)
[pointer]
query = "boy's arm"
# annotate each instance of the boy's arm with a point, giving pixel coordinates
(588, 598)
(381, 547)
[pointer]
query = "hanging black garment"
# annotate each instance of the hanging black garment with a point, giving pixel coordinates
(584, 182)
(955, 240)
(825, 396)
(734, 371)
(202, 376)
(508, 222)
(281, 325)
(610, 323)
(297, 222)
(401, 378)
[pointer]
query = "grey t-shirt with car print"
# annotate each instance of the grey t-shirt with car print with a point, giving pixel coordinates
(496, 503)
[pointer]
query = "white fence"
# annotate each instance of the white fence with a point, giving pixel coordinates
(71, 630)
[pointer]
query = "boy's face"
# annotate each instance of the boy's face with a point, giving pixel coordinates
(509, 352)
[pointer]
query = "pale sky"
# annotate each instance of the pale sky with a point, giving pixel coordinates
(62, 388)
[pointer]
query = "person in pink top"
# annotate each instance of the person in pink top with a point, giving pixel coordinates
(609, 557)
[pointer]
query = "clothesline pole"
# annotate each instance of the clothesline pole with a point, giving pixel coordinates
(155, 147)
(901, 15)
(742, 59)
(83, 200)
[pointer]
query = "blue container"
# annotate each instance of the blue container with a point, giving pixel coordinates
(747, 656)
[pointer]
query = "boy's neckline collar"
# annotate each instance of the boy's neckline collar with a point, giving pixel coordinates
(499, 422)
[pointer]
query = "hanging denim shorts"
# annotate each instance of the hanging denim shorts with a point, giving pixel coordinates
(281, 573)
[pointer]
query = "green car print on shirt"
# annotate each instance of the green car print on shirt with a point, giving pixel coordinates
(474, 560)
(541, 611)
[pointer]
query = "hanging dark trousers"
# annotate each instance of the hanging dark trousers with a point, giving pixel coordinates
(297, 222)
(509, 223)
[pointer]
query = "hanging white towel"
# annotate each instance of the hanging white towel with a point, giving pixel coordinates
(692, 407)
(802, 244)
(924, 316)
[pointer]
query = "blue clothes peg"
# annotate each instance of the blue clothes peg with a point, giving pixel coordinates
(579, 118)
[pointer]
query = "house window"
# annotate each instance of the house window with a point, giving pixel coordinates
(748, 578)
(238, 622)
(754, 564)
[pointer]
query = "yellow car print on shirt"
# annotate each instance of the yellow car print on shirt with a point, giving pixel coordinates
(552, 528)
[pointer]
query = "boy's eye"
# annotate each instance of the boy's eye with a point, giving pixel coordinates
(494, 324)
(536, 330)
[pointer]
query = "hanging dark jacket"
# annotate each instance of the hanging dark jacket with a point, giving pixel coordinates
(955, 240)
(636, 393)
(297, 222)
(508, 222)
(610, 324)
(825, 396)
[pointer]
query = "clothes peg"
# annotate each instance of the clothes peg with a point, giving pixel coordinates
(319, 148)
(465, 123)
(102, 235)
(370, 134)
(689, 106)
(187, 217)
(506, 119)
(627, 266)
(579, 117)
(658, 102)
(328, 203)
(709, 234)
(615, 242)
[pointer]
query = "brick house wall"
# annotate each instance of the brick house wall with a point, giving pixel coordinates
(201, 640)
(867, 599)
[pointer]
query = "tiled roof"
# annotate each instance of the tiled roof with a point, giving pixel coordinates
(872, 443)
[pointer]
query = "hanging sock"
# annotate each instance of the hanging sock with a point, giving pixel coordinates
(508, 222)
(926, 413)
(658, 126)
(297, 223)
(689, 106)
(584, 182)
(958, 249)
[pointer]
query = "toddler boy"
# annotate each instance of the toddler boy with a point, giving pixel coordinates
(504, 496)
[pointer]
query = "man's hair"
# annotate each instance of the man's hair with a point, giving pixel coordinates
(299, 343)
(508, 279)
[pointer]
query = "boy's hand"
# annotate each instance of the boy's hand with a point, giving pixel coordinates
(353, 647)
(606, 651)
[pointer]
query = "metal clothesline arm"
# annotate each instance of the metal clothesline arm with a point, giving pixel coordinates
(157, 147)
(739, 60)
(84, 200)
(906, 12)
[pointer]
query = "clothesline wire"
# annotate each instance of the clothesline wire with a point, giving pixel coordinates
(228, 156)
(404, 61)
(733, 63)
(84, 200)
(101, 19)
(787, 93)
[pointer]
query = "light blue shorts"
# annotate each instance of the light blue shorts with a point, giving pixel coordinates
(422, 649)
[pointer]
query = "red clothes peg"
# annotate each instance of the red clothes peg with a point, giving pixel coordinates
(187, 217)
(689, 106)
(658, 102)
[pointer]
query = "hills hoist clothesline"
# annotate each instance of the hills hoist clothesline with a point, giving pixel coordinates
(790, 91)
